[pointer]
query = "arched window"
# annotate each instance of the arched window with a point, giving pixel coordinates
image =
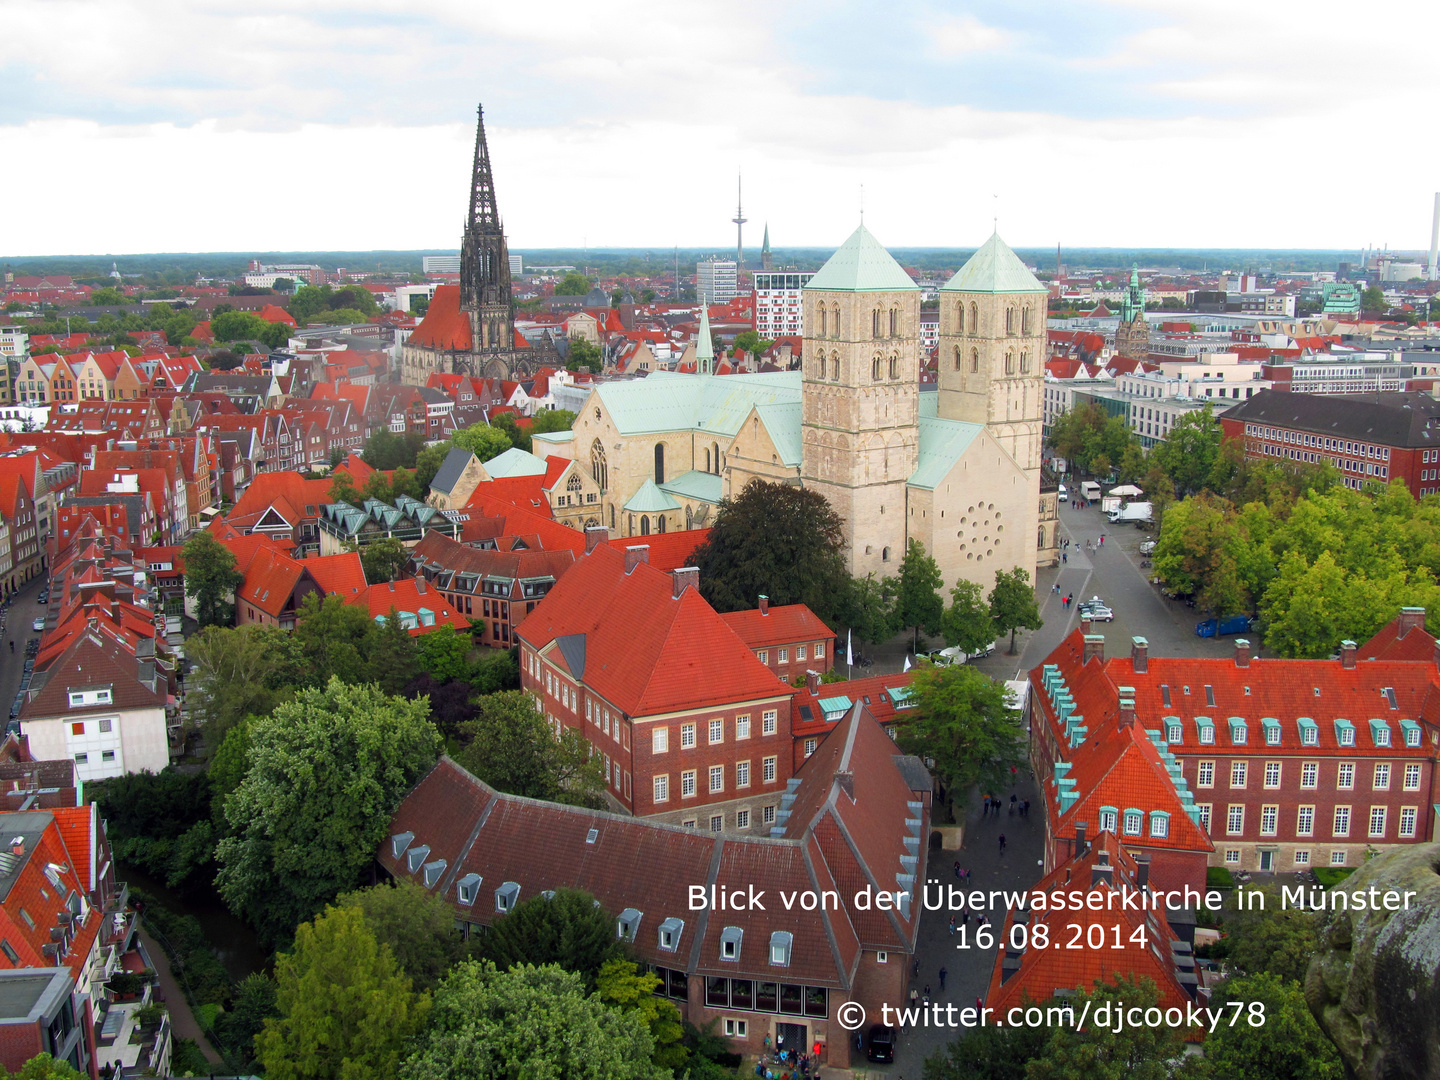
(974, 318)
(573, 484)
(660, 523)
(659, 463)
(820, 374)
(960, 319)
(1009, 320)
(1024, 362)
(894, 367)
(821, 309)
(1025, 320)
(834, 320)
(875, 323)
(1041, 539)
(974, 359)
(644, 524)
(612, 515)
(1009, 363)
(689, 516)
(598, 468)
(835, 366)
(957, 357)
(715, 449)
(707, 459)
(875, 370)
(885, 554)
(894, 322)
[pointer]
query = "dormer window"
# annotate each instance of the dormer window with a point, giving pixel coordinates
(1134, 822)
(730, 942)
(781, 942)
(93, 696)
(628, 924)
(1380, 732)
(1239, 731)
(433, 870)
(670, 931)
(416, 856)
(467, 889)
(506, 897)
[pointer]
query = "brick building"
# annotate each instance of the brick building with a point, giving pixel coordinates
(790, 640)
(692, 727)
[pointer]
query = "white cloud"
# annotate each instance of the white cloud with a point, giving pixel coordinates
(957, 35)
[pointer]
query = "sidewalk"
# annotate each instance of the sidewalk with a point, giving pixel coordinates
(182, 1020)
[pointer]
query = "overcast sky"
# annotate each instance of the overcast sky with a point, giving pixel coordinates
(201, 125)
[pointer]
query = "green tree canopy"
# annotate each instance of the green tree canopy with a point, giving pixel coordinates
(383, 560)
(990, 1052)
(1013, 605)
(1191, 451)
(394, 654)
(237, 672)
(346, 1010)
(567, 929)
(774, 539)
(583, 354)
(1289, 1045)
(1102, 1053)
(334, 639)
(1277, 941)
(751, 342)
(445, 653)
(962, 721)
(211, 579)
(385, 450)
(326, 771)
(548, 420)
(870, 608)
(918, 602)
(967, 623)
(417, 926)
(512, 748)
(528, 1022)
(573, 284)
(44, 1067)
(482, 440)
(621, 983)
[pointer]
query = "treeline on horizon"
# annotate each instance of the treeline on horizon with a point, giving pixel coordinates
(661, 261)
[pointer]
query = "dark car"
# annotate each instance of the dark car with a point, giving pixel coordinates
(44, 596)
(882, 1043)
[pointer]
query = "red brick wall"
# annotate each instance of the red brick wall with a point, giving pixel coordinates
(792, 667)
(18, 1044)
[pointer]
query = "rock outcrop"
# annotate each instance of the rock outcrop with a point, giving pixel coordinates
(1374, 985)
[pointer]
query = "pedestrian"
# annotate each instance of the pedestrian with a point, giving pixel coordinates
(914, 997)
(965, 915)
(915, 969)
(942, 977)
(1053, 588)
(926, 995)
(1065, 556)
(957, 869)
(1014, 799)
(979, 1006)
(1002, 843)
(952, 924)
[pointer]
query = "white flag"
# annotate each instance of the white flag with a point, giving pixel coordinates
(849, 646)
(907, 663)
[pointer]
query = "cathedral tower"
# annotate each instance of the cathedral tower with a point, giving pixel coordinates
(860, 388)
(485, 260)
(1132, 335)
(992, 351)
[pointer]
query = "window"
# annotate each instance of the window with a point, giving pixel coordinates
(819, 650)
(1272, 774)
(1377, 820)
(662, 788)
(1205, 774)
(769, 722)
(105, 726)
(1109, 819)
(742, 819)
(1302, 858)
(1232, 856)
(1133, 822)
(736, 1029)
(1347, 735)
(784, 657)
(1337, 858)
(1272, 734)
(687, 784)
(1310, 774)
(717, 822)
(687, 736)
(780, 942)
(763, 656)
(742, 727)
(1269, 820)
(670, 931)
(974, 359)
(77, 729)
(1207, 730)
(81, 759)
(1412, 777)
(1305, 821)
(1235, 819)
(767, 815)
(810, 745)
(1239, 730)
(1159, 823)
(1204, 809)
(1382, 778)
(10, 953)
(717, 778)
(1173, 732)
(799, 652)
(659, 740)
(1345, 777)
(1341, 825)
(1238, 770)
(1408, 816)
(717, 731)
(107, 755)
(767, 770)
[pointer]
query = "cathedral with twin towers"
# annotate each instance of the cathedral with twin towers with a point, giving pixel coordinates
(956, 467)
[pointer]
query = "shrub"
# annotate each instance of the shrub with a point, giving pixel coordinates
(1217, 877)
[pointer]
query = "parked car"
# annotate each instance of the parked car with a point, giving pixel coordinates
(1096, 610)
(1147, 548)
(1235, 624)
(44, 597)
(882, 1043)
(39, 623)
(957, 655)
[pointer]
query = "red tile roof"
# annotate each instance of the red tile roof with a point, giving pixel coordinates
(342, 574)
(270, 581)
(409, 596)
(445, 325)
(781, 625)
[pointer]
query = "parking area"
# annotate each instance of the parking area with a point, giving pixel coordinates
(20, 643)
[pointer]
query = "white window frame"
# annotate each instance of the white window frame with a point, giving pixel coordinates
(1269, 819)
(1412, 778)
(661, 788)
(717, 778)
(1382, 815)
(769, 722)
(1235, 819)
(1345, 776)
(1272, 768)
(687, 784)
(1340, 822)
(742, 727)
(660, 740)
(1239, 774)
(1409, 816)
(1205, 774)
(1309, 775)
(687, 736)
(716, 732)
(1305, 820)
(768, 770)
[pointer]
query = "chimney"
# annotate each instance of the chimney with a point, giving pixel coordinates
(812, 681)
(1242, 652)
(420, 585)
(764, 604)
(595, 534)
(1347, 654)
(683, 578)
(1411, 618)
(635, 554)
(1127, 706)
(1101, 874)
(1085, 624)
(1094, 645)
(1081, 847)
(1140, 655)
(846, 780)
(1142, 872)
(17, 846)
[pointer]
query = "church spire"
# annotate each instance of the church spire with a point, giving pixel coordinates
(484, 216)
(766, 260)
(485, 259)
(704, 346)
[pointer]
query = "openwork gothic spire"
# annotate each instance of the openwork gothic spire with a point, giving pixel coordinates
(485, 258)
(484, 217)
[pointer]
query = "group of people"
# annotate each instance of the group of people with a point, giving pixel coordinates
(787, 1064)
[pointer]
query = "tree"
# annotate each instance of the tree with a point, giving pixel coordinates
(1277, 941)
(244, 1018)
(44, 1067)
(1101, 1053)
(1012, 604)
(346, 1010)
(377, 486)
(326, 772)
(238, 326)
(343, 489)
(774, 539)
(386, 450)
(573, 284)
(962, 721)
(211, 579)
(1289, 1045)
(567, 929)
(428, 462)
(967, 623)
(383, 560)
(622, 984)
(1372, 301)
(482, 440)
(548, 420)
(450, 705)
(107, 297)
(583, 355)
(1191, 451)
(918, 603)
(237, 672)
(506, 422)
(417, 926)
(334, 639)
(990, 1052)
(160, 822)
(870, 608)
(393, 654)
(528, 1022)
(404, 482)
(751, 342)
(512, 748)
(445, 653)
(224, 360)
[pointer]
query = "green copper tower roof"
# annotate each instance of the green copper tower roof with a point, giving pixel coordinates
(862, 265)
(994, 269)
(704, 347)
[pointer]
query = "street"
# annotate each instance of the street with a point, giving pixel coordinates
(23, 610)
